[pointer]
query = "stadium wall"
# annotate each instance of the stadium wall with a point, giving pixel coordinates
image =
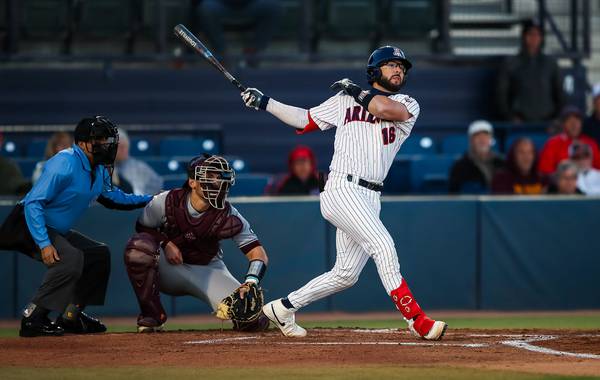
(456, 252)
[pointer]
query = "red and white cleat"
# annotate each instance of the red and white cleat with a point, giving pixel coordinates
(419, 324)
(426, 328)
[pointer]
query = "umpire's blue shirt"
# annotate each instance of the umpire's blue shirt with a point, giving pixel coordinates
(65, 190)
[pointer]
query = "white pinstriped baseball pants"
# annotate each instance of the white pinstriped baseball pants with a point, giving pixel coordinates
(360, 235)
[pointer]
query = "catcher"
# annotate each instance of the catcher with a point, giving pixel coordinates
(176, 250)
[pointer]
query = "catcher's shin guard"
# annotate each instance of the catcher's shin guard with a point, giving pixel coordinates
(141, 261)
(418, 322)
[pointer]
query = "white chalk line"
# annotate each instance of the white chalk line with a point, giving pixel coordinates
(376, 331)
(525, 345)
(245, 339)
(223, 340)
(521, 336)
(382, 343)
(522, 341)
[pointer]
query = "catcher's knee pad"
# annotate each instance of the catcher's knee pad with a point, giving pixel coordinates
(141, 262)
(141, 257)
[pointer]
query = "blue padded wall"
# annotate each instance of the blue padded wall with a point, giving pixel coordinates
(456, 253)
(540, 255)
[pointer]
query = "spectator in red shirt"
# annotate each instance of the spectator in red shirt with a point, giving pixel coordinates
(520, 175)
(303, 177)
(556, 148)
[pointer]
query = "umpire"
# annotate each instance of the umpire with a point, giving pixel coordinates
(40, 226)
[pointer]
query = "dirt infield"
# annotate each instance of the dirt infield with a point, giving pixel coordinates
(568, 352)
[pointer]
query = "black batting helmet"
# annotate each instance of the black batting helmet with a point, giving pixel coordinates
(382, 55)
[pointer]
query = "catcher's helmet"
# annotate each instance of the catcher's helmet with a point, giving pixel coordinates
(215, 176)
(382, 55)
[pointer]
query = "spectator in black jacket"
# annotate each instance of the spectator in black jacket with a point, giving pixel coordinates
(591, 125)
(529, 87)
(474, 171)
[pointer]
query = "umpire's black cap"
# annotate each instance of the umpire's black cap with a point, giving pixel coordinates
(91, 128)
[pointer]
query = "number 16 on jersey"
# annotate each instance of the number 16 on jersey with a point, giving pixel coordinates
(389, 135)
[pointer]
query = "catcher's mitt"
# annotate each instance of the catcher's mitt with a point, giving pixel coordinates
(240, 309)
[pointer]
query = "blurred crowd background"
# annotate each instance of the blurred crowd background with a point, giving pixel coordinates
(509, 90)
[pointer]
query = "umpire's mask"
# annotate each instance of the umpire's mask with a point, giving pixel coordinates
(104, 137)
(215, 176)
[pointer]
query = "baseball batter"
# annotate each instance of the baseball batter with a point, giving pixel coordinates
(371, 127)
(176, 250)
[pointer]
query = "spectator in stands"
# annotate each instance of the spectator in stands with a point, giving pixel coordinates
(264, 16)
(134, 173)
(474, 171)
(588, 178)
(556, 148)
(302, 178)
(57, 142)
(529, 84)
(520, 176)
(591, 125)
(12, 181)
(564, 180)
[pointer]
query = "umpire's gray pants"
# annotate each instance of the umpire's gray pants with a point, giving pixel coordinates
(81, 275)
(210, 283)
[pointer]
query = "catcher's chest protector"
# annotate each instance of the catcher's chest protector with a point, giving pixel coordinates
(197, 238)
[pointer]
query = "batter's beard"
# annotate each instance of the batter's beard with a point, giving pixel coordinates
(385, 83)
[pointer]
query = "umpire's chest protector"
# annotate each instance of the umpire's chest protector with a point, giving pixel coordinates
(198, 238)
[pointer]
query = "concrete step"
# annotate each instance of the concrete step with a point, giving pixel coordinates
(556, 7)
(485, 37)
(483, 20)
(482, 51)
(477, 6)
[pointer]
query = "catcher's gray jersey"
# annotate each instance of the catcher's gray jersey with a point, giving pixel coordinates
(154, 216)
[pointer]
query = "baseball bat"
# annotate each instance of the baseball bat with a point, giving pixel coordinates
(192, 41)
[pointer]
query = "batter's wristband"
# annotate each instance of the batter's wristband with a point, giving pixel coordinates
(256, 270)
(264, 100)
(364, 98)
(353, 90)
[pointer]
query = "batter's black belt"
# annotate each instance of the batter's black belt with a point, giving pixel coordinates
(367, 184)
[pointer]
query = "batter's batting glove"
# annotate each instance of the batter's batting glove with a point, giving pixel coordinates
(346, 85)
(253, 98)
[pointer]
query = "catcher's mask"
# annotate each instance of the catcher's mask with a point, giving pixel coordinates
(104, 137)
(215, 176)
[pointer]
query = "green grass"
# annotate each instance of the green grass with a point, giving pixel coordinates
(330, 373)
(584, 322)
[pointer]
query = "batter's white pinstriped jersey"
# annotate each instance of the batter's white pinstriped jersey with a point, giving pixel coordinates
(364, 146)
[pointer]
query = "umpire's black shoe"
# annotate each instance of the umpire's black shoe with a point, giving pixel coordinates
(84, 324)
(31, 327)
